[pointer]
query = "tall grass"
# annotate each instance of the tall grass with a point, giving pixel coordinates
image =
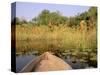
(40, 38)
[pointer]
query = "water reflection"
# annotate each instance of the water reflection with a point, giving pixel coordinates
(22, 60)
(77, 58)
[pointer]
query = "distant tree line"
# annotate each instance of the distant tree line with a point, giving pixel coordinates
(56, 18)
(18, 21)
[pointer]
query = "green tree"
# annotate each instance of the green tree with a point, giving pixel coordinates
(45, 17)
(16, 21)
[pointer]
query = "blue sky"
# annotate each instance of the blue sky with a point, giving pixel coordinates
(31, 10)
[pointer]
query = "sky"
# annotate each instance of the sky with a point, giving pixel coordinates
(30, 10)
